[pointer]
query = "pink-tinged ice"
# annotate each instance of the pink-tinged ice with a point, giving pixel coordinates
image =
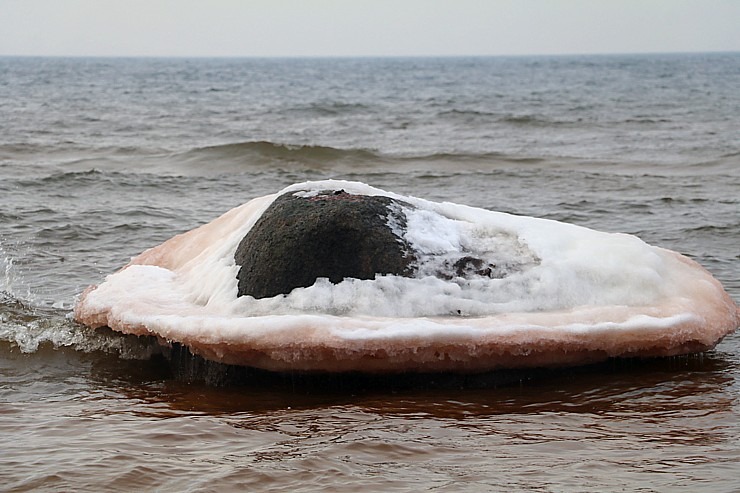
(573, 296)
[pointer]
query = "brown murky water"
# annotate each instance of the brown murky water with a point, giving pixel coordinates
(93, 422)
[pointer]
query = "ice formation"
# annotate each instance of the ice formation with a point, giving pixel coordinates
(557, 294)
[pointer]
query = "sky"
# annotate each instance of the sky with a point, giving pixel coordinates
(297, 28)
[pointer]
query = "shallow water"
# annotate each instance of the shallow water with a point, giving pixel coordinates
(101, 159)
(97, 421)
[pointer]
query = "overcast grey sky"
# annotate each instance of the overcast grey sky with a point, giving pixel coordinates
(364, 27)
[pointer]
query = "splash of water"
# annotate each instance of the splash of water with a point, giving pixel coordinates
(12, 279)
(26, 324)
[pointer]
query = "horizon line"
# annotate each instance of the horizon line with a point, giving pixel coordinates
(328, 56)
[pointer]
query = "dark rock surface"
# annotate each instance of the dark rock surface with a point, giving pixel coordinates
(334, 235)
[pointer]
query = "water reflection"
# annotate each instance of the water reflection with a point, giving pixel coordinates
(617, 425)
(701, 383)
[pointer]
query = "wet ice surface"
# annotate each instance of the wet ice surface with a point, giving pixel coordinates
(532, 286)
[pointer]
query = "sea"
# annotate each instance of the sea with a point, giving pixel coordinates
(102, 158)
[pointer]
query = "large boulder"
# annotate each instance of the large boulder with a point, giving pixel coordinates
(331, 234)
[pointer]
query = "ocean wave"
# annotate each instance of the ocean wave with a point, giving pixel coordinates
(31, 328)
(530, 121)
(28, 326)
(535, 120)
(730, 155)
(507, 119)
(727, 163)
(645, 120)
(264, 152)
(93, 165)
(63, 176)
(22, 151)
(715, 229)
(329, 108)
(271, 151)
(468, 114)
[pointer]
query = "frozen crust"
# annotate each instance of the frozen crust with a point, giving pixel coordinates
(337, 344)
(695, 316)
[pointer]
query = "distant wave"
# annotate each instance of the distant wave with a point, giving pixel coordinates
(63, 150)
(541, 120)
(729, 230)
(77, 162)
(728, 163)
(264, 156)
(281, 152)
(730, 155)
(100, 164)
(330, 108)
(245, 155)
(647, 120)
(517, 120)
(468, 113)
(530, 120)
(76, 176)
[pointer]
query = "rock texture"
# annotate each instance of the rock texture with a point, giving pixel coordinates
(332, 234)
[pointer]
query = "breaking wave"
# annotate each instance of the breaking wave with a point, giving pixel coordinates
(31, 328)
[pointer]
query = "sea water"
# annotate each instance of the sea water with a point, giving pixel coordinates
(101, 159)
